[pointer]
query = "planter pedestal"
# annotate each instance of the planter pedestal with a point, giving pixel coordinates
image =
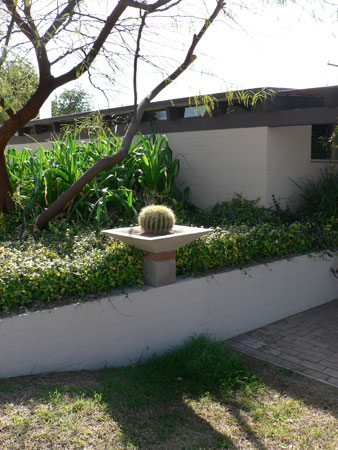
(160, 268)
(159, 261)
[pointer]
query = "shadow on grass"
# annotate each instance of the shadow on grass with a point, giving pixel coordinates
(312, 393)
(157, 404)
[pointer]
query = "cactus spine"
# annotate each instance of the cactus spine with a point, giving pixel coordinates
(156, 219)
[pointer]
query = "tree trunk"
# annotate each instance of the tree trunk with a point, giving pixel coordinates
(8, 129)
(6, 202)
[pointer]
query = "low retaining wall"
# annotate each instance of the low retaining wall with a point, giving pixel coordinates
(123, 328)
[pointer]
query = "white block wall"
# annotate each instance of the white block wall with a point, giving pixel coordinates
(121, 329)
(255, 162)
(289, 158)
(220, 163)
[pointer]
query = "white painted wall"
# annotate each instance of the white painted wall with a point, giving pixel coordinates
(121, 329)
(289, 157)
(32, 146)
(218, 164)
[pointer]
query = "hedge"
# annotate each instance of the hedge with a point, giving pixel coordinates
(239, 246)
(70, 267)
(65, 263)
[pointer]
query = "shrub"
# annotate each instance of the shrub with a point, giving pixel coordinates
(241, 211)
(241, 245)
(319, 197)
(62, 264)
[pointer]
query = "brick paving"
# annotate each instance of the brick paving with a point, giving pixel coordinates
(306, 343)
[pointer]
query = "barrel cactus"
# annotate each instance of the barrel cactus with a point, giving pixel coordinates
(156, 219)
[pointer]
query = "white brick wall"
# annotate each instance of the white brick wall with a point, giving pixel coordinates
(220, 163)
(289, 158)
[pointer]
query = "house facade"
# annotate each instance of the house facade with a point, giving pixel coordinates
(234, 148)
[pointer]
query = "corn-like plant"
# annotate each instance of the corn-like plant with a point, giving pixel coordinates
(157, 170)
(39, 177)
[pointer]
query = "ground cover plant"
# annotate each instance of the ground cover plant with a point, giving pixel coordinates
(197, 397)
(68, 261)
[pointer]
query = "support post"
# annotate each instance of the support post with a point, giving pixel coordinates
(160, 268)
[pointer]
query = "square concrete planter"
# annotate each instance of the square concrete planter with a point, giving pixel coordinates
(159, 261)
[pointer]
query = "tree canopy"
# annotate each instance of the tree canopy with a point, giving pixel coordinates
(18, 82)
(71, 101)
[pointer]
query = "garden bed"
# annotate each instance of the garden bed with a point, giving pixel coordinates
(68, 263)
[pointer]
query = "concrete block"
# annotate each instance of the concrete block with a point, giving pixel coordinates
(159, 271)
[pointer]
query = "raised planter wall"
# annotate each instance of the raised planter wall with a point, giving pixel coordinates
(121, 329)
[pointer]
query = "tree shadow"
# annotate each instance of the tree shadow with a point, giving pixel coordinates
(312, 393)
(152, 410)
(160, 417)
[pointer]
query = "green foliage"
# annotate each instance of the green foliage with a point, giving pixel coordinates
(318, 197)
(156, 219)
(39, 178)
(248, 99)
(71, 101)
(241, 211)
(61, 263)
(156, 169)
(241, 245)
(68, 261)
(18, 82)
(237, 211)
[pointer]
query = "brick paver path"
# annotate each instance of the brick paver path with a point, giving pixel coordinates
(306, 343)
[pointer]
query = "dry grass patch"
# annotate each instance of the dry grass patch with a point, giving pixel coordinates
(198, 398)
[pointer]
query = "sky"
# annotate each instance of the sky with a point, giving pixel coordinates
(266, 46)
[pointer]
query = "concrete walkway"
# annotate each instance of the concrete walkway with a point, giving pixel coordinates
(306, 343)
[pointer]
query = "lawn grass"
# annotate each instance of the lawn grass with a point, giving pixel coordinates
(198, 397)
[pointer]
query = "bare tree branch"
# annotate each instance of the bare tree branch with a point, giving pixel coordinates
(136, 57)
(24, 27)
(110, 161)
(82, 67)
(64, 55)
(91, 81)
(150, 7)
(30, 30)
(62, 17)
(8, 36)
(190, 57)
(169, 7)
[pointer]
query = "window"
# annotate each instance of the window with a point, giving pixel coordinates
(237, 108)
(39, 129)
(195, 111)
(324, 142)
(149, 116)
